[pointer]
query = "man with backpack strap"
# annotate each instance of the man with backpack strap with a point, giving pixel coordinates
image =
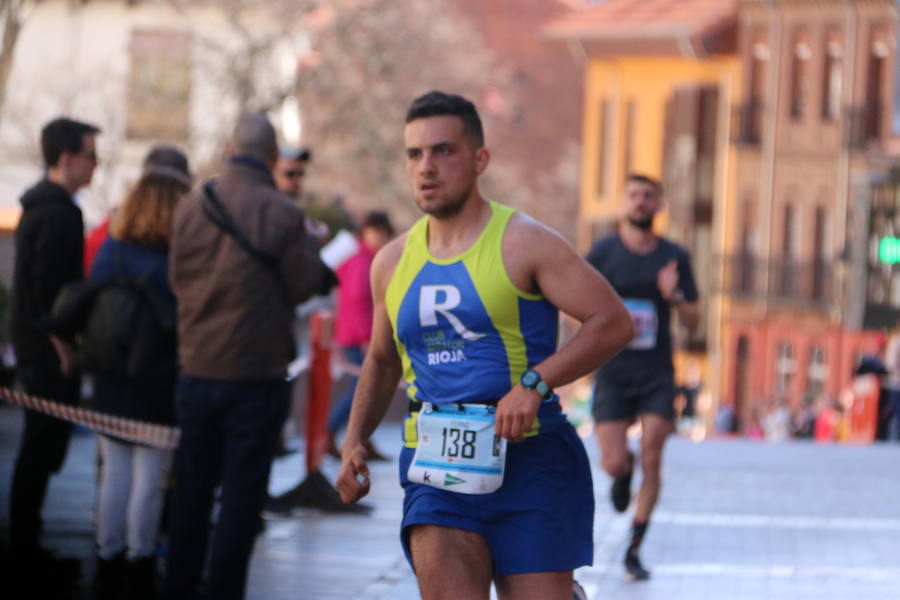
(234, 341)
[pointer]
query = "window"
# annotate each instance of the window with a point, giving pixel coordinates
(832, 79)
(816, 374)
(603, 146)
(789, 242)
(819, 266)
(759, 69)
(747, 256)
(785, 367)
(875, 79)
(742, 384)
(159, 85)
(802, 54)
(750, 116)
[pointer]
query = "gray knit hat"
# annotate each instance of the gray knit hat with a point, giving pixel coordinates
(165, 159)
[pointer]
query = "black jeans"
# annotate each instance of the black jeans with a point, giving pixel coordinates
(229, 432)
(42, 452)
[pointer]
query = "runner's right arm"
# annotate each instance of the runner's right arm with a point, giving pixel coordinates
(381, 370)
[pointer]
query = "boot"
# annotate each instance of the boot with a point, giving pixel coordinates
(140, 582)
(108, 577)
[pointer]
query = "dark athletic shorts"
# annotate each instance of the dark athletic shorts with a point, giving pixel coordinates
(541, 518)
(624, 398)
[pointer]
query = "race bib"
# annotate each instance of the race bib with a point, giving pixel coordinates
(646, 323)
(457, 449)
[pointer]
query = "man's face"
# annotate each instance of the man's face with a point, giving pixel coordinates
(79, 167)
(289, 174)
(642, 202)
(441, 164)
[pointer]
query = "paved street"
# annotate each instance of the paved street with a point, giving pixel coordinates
(738, 520)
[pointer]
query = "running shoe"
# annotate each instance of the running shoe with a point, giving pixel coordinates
(620, 492)
(578, 592)
(634, 570)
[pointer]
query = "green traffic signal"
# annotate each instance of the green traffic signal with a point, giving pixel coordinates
(889, 250)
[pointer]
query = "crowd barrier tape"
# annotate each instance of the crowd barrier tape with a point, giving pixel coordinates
(166, 437)
(139, 432)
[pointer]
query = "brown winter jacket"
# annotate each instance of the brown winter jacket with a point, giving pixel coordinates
(234, 315)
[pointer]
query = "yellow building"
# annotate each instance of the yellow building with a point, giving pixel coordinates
(771, 125)
(661, 77)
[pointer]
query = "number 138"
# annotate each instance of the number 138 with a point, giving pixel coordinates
(451, 443)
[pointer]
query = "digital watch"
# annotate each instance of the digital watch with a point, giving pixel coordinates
(531, 380)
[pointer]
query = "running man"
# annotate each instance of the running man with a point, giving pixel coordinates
(652, 275)
(497, 483)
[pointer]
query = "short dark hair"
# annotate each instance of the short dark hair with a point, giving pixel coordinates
(641, 178)
(436, 104)
(378, 219)
(63, 135)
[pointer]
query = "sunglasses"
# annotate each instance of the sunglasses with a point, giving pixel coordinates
(293, 173)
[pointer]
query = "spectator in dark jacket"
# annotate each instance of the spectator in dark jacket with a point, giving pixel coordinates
(133, 482)
(48, 243)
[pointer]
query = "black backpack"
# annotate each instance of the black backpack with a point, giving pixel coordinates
(123, 326)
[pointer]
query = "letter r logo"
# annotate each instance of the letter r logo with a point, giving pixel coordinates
(430, 305)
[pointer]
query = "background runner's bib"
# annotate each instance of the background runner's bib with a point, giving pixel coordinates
(458, 449)
(646, 323)
(464, 332)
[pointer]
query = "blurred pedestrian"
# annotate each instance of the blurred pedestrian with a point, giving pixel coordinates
(134, 476)
(725, 420)
(353, 321)
(653, 276)
(240, 260)
(777, 421)
(49, 243)
(889, 415)
(290, 171)
(289, 174)
(160, 155)
(828, 420)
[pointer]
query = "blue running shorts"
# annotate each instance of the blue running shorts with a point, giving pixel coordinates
(540, 520)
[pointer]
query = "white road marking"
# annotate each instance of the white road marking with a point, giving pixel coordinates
(881, 525)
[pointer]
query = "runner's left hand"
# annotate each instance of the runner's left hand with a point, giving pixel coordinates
(516, 412)
(667, 280)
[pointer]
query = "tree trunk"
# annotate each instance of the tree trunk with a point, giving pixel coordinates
(10, 14)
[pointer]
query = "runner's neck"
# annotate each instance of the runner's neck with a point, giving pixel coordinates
(451, 236)
(637, 240)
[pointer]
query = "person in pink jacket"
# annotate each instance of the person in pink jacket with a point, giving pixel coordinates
(353, 325)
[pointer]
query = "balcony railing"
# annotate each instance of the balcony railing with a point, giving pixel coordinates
(747, 120)
(751, 278)
(862, 124)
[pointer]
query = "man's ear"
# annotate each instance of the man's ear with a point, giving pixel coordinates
(482, 158)
(64, 160)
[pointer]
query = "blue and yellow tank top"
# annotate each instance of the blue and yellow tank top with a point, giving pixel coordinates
(463, 330)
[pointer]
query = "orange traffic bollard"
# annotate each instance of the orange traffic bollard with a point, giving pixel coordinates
(319, 396)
